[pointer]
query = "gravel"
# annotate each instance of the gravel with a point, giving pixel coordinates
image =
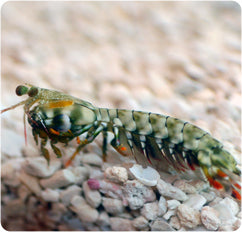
(176, 58)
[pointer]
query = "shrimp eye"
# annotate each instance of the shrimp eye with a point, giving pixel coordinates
(33, 91)
(21, 90)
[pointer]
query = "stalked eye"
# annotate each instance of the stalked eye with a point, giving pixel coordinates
(61, 123)
(21, 90)
(33, 91)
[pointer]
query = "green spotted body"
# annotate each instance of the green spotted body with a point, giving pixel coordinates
(153, 139)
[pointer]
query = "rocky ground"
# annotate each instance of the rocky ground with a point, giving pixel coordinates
(180, 59)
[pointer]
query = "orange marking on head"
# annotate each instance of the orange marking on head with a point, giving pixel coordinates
(57, 104)
(53, 131)
(236, 194)
(221, 173)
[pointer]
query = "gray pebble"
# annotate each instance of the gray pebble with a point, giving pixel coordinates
(92, 159)
(67, 194)
(161, 225)
(113, 206)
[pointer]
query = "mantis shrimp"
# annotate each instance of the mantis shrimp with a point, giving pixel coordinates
(153, 139)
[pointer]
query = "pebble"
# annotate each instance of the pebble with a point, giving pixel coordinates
(162, 206)
(92, 159)
(31, 182)
(38, 166)
(208, 195)
(67, 194)
(166, 189)
(232, 204)
(184, 186)
(103, 219)
(161, 225)
(188, 216)
(209, 218)
(121, 224)
(137, 194)
(61, 178)
(81, 174)
(15, 208)
(175, 222)
(84, 211)
(93, 197)
(173, 204)
(150, 210)
(50, 195)
(116, 174)
(113, 206)
(141, 223)
(169, 213)
(147, 176)
(195, 201)
(23, 192)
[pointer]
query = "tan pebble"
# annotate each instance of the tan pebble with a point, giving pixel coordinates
(141, 223)
(84, 211)
(188, 216)
(210, 219)
(93, 197)
(121, 224)
(113, 206)
(50, 195)
(31, 182)
(116, 174)
(150, 210)
(175, 222)
(60, 179)
(160, 223)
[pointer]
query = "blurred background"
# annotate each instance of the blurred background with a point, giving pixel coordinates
(176, 58)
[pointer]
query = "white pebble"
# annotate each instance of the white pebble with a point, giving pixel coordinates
(31, 182)
(166, 189)
(210, 219)
(116, 174)
(50, 195)
(169, 213)
(162, 206)
(61, 178)
(175, 223)
(103, 219)
(147, 176)
(113, 206)
(92, 159)
(93, 197)
(184, 186)
(150, 210)
(38, 166)
(232, 204)
(67, 194)
(121, 224)
(195, 201)
(84, 211)
(188, 216)
(81, 174)
(173, 204)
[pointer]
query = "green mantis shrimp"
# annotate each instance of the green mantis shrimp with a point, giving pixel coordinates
(153, 139)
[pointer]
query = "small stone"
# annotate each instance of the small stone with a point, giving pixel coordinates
(166, 189)
(116, 174)
(38, 166)
(92, 159)
(61, 178)
(169, 213)
(232, 204)
(93, 197)
(162, 206)
(184, 186)
(208, 195)
(31, 182)
(23, 192)
(84, 211)
(195, 201)
(121, 224)
(188, 216)
(137, 194)
(50, 195)
(141, 223)
(113, 206)
(210, 219)
(103, 219)
(175, 222)
(67, 194)
(81, 174)
(150, 210)
(14, 208)
(173, 204)
(161, 225)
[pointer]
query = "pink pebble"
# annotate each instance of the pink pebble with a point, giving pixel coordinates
(93, 184)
